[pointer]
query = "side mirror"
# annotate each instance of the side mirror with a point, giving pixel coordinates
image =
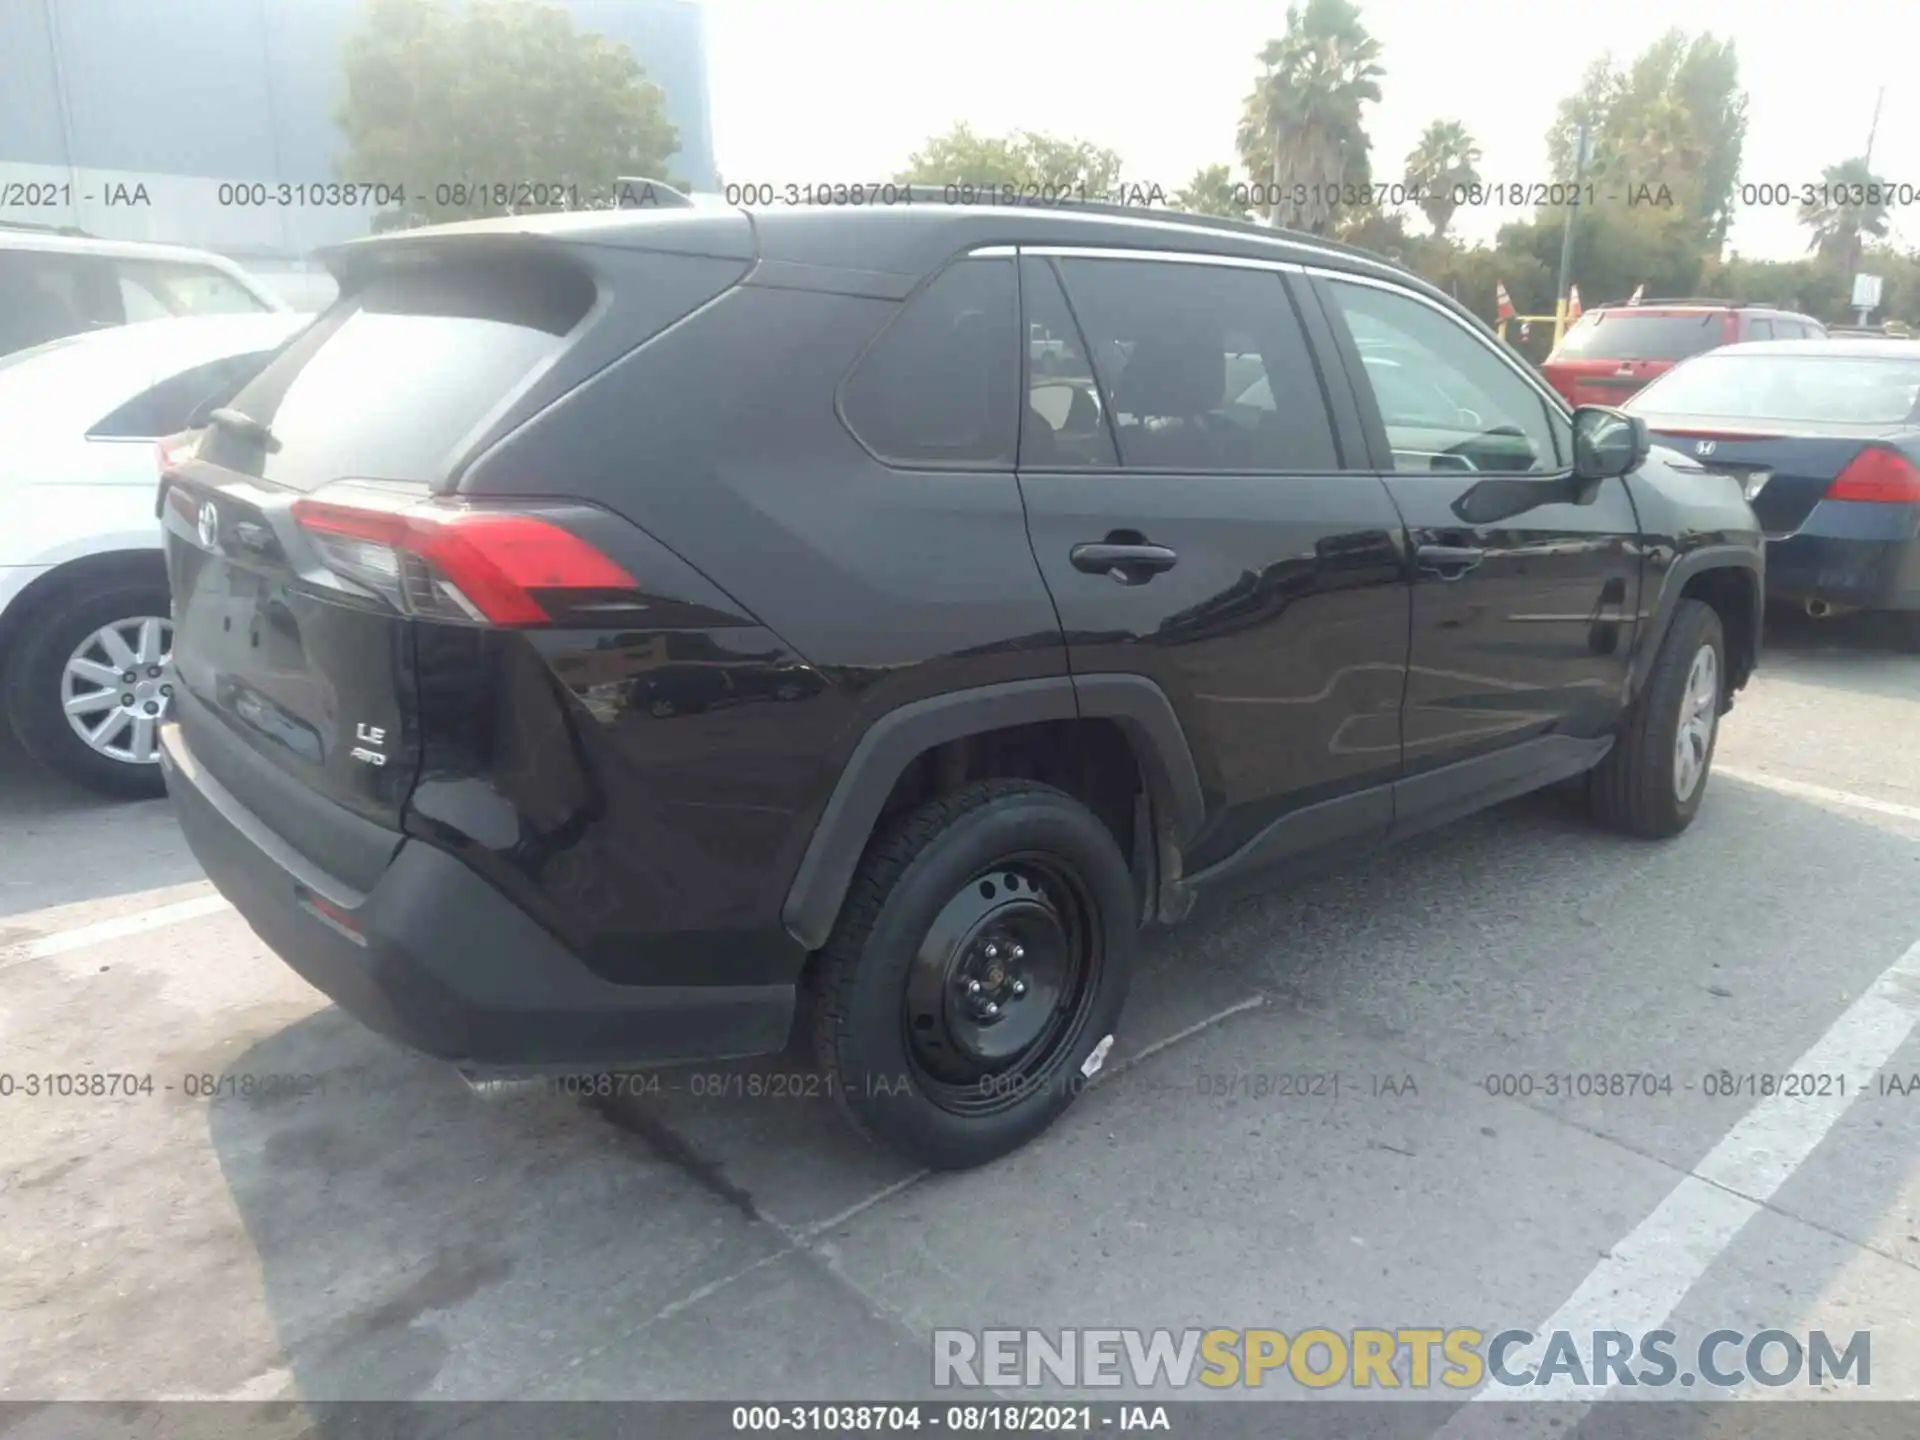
(1607, 442)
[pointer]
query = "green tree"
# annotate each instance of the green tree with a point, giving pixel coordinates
(1849, 209)
(504, 95)
(1213, 191)
(1300, 128)
(1676, 117)
(1444, 158)
(1615, 248)
(1023, 160)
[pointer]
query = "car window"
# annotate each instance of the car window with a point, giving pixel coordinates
(166, 407)
(1446, 398)
(48, 296)
(1759, 329)
(1063, 424)
(1630, 335)
(1179, 351)
(1788, 386)
(161, 288)
(941, 384)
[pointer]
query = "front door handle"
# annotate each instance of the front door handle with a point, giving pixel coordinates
(1128, 564)
(1449, 562)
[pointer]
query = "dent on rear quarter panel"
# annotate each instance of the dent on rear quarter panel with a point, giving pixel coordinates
(854, 589)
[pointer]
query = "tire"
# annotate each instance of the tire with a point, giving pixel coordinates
(894, 1027)
(36, 686)
(1641, 787)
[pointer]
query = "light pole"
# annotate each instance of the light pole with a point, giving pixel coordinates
(1566, 235)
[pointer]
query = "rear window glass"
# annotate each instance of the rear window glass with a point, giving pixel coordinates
(941, 386)
(397, 379)
(1812, 388)
(1620, 336)
(166, 407)
(154, 290)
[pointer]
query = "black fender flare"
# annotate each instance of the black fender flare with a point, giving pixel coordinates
(897, 738)
(1743, 558)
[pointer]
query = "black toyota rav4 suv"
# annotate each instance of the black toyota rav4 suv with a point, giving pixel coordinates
(609, 641)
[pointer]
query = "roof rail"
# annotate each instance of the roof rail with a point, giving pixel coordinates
(1647, 300)
(942, 195)
(73, 231)
(638, 192)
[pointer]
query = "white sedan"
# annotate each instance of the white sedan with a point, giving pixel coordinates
(86, 636)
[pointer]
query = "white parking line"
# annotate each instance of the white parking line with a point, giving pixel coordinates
(1821, 792)
(61, 941)
(1648, 1274)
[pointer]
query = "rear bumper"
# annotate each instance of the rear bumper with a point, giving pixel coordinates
(434, 957)
(1853, 555)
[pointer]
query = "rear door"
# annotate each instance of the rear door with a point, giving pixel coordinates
(1197, 522)
(290, 647)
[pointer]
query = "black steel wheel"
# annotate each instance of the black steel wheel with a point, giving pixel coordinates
(1000, 984)
(971, 987)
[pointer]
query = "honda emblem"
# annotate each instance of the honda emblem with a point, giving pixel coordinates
(1705, 447)
(209, 526)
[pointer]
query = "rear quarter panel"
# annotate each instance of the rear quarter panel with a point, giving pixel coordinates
(848, 589)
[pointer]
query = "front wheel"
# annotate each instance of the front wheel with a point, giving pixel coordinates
(91, 683)
(1653, 780)
(970, 989)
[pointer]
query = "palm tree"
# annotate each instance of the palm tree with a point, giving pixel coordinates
(1442, 162)
(1212, 191)
(1301, 126)
(1846, 208)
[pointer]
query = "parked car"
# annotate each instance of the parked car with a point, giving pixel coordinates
(1825, 437)
(1069, 666)
(53, 284)
(85, 634)
(1610, 352)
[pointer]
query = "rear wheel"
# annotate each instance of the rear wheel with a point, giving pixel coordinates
(91, 682)
(1653, 780)
(972, 984)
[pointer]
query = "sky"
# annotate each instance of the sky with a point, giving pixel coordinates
(832, 91)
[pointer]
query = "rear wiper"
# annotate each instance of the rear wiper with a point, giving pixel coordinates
(243, 425)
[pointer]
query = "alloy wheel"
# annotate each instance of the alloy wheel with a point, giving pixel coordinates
(1699, 711)
(117, 686)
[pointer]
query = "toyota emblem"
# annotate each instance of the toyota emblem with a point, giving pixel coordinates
(209, 526)
(1705, 447)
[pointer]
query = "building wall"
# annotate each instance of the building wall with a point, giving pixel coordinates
(98, 97)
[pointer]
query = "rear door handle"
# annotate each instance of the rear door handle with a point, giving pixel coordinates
(1128, 564)
(1449, 562)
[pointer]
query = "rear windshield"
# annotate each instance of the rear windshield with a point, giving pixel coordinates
(1618, 336)
(1839, 389)
(397, 379)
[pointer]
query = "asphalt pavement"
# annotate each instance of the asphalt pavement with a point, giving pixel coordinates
(1331, 1106)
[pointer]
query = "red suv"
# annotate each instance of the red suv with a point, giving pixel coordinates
(1614, 350)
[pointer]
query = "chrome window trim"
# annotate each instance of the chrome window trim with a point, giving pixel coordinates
(1169, 257)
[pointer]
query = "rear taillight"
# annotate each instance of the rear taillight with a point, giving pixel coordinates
(175, 450)
(1877, 473)
(488, 566)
